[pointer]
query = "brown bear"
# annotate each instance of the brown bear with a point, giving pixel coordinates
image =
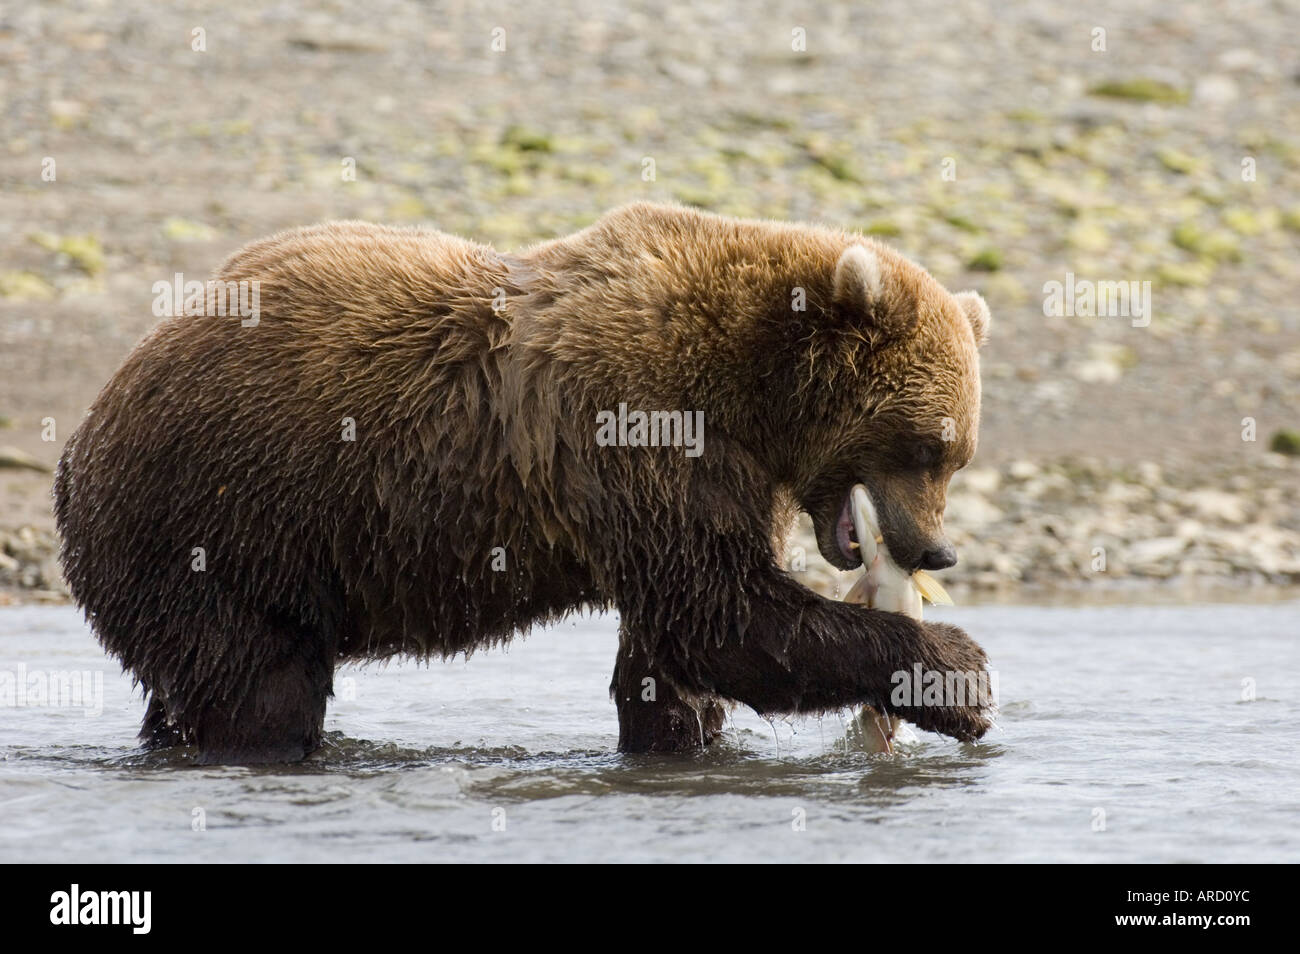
(400, 456)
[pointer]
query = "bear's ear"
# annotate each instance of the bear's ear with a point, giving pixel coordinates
(977, 313)
(860, 295)
(857, 279)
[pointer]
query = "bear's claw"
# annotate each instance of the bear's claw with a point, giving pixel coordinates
(966, 710)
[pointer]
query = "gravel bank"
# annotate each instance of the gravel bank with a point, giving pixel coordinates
(1001, 145)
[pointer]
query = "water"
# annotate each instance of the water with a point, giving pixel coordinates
(1129, 715)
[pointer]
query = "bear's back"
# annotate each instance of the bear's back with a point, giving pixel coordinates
(335, 276)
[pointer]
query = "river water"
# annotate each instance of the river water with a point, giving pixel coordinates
(1126, 734)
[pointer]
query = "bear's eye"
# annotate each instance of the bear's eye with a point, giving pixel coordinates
(926, 454)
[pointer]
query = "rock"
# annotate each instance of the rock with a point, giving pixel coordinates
(1273, 550)
(1241, 59)
(1150, 474)
(13, 458)
(338, 41)
(1196, 567)
(974, 556)
(1105, 364)
(49, 576)
(1216, 505)
(1119, 492)
(67, 113)
(979, 480)
(1005, 566)
(1157, 551)
(971, 511)
(29, 561)
(1033, 488)
(1096, 372)
(1215, 89)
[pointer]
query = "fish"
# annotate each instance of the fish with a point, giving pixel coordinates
(885, 586)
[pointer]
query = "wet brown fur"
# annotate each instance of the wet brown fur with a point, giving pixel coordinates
(475, 429)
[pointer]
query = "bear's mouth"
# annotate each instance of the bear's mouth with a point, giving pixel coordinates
(838, 524)
(846, 537)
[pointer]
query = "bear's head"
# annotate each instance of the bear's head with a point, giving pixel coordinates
(893, 368)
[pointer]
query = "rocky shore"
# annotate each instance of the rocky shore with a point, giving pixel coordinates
(29, 567)
(1010, 148)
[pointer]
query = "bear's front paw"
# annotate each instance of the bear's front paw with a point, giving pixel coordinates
(948, 690)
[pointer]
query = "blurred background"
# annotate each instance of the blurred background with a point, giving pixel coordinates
(1003, 146)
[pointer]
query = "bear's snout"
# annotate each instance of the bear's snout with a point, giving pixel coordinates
(939, 558)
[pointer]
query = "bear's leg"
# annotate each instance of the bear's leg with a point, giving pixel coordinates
(157, 732)
(652, 715)
(262, 701)
(777, 647)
